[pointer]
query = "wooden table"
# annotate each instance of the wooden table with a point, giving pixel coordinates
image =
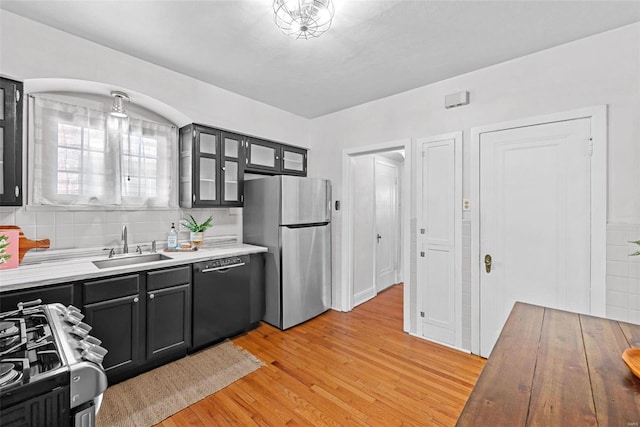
(555, 368)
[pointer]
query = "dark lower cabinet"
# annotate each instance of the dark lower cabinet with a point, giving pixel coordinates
(64, 294)
(146, 319)
(256, 290)
(143, 319)
(168, 312)
(168, 321)
(112, 307)
(116, 323)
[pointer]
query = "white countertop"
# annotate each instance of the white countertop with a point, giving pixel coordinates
(71, 270)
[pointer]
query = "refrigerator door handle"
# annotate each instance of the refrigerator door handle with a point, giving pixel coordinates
(315, 224)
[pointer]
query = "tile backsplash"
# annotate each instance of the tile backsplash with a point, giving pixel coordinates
(100, 228)
(623, 273)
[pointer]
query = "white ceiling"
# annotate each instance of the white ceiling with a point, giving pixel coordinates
(374, 49)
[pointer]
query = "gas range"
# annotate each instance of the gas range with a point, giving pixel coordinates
(50, 367)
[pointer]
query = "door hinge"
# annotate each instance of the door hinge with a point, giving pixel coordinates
(242, 198)
(422, 231)
(591, 146)
(422, 314)
(422, 254)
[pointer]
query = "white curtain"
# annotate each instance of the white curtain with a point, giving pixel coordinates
(86, 157)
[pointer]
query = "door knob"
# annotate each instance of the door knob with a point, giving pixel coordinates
(487, 263)
(378, 237)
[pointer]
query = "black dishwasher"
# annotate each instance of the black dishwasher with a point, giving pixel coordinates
(220, 299)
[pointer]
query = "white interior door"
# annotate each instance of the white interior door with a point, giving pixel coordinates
(439, 218)
(535, 213)
(387, 227)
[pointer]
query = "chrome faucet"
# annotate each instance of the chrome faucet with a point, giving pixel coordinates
(125, 248)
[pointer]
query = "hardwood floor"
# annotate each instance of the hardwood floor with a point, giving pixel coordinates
(343, 369)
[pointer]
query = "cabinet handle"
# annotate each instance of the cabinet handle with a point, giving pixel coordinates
(151, 296)
(17, 191)
(136, 299)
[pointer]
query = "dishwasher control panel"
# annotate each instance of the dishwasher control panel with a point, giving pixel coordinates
(220, 263)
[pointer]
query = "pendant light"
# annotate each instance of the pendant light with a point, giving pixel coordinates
(117, 109)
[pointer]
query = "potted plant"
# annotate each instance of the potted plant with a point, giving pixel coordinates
(196, 234)
(636, 253)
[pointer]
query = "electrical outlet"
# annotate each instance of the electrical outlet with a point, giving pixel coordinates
(466, 205)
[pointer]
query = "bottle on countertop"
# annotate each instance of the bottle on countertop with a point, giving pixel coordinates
(172, 239)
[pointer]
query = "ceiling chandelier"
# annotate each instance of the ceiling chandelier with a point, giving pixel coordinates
(303, 19)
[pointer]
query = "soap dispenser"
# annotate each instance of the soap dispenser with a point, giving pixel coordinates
(172, 239)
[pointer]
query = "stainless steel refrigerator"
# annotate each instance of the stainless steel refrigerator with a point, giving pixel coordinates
(292, 217)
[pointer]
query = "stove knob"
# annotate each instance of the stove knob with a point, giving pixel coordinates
(73, 317)
(94, 354)
(88, 342)
(81, 329)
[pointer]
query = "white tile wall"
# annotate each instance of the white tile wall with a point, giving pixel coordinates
(99, 228)
(623, 273)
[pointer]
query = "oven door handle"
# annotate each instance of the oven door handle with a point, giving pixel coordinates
(222, 269)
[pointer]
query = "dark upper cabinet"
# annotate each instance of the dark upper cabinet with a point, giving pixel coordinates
(293, 161)
(262, 156)
(232, 169)
(272, 158)
(211, 167)
(10, 142)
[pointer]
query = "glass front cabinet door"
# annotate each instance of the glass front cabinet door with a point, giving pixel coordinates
(272, 158)
(232, 166)
(10, 142)
(294, 161)
(262, 156)
(211, 170)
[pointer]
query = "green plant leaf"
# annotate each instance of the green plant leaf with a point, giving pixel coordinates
(192, 225)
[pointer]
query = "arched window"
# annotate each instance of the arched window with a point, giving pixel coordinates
(80, 155)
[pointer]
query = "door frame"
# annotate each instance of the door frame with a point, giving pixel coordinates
(598, 118)
(348, 218)
(396, 217)
(457, 137)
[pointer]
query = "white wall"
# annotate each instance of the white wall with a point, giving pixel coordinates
(44, 57)
(603, 69)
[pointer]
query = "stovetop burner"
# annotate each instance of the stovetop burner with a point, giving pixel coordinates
(27, 349)
(7, 328)
(6, 343)
(7, 373)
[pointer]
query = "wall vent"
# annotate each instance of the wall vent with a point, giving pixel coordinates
(456, 99)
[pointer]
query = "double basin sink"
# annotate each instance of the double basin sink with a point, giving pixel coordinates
(130, 260)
